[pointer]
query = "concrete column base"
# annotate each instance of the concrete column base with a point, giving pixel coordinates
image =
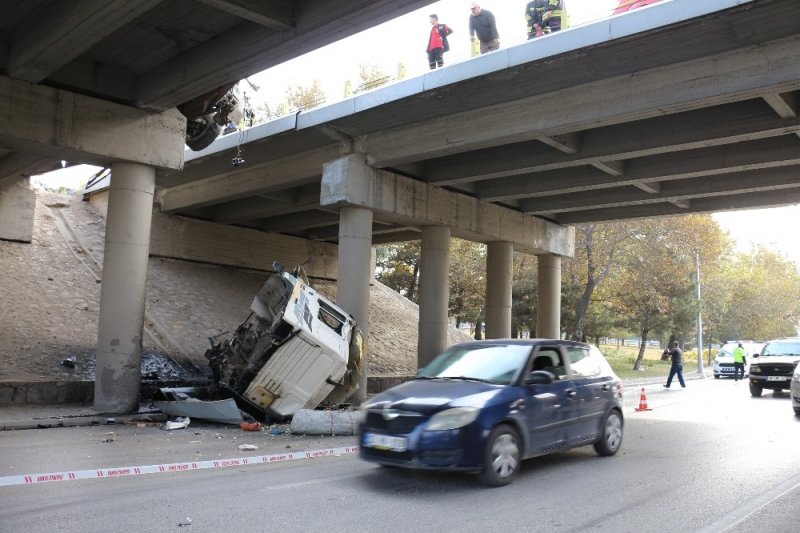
(17, 210)
(548, 310)
(499, 276)
(122, 297)
(352, 287)
(434, 293)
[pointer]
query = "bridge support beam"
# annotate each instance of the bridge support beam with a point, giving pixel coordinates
(122, 297)
(499, 272)
(548, 310)
(352, 286)
(434, 293)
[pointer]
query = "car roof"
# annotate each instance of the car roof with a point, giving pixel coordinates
(523, 342)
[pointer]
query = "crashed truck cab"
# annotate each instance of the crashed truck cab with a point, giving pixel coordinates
(296, 350)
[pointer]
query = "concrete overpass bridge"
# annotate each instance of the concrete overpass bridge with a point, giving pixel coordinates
(681, 107)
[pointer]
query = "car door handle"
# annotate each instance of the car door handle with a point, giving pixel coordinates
(606, 388)
(572, 393)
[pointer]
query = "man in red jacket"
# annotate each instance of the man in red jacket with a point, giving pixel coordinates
(437, 42)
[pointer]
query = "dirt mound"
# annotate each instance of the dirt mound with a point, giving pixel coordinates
(50, 294)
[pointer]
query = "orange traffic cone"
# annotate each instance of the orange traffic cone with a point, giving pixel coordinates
(643, 402)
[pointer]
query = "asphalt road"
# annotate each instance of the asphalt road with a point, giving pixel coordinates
(708, 458)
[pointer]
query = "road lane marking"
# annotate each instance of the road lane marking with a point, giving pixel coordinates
(104, 473)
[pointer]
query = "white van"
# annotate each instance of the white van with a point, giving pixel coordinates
(723, 362)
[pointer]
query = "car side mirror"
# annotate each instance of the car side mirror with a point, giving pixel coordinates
(540, 377)
(755, 355)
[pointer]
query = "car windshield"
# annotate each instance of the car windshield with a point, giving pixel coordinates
(493, 363)
(782, 348)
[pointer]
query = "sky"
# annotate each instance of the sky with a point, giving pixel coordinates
(403, 40)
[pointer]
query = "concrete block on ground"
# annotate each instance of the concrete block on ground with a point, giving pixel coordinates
(17, 204)
(46, 392)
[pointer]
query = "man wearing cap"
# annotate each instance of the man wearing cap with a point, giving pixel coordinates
(482, 24)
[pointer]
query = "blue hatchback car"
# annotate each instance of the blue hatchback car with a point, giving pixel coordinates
(484, 406)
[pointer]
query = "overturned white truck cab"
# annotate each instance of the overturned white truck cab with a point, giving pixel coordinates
(296, 350)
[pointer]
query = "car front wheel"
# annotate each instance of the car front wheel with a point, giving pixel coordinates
(611, 439)
(797, 411)
(755, 390)
(503, 456)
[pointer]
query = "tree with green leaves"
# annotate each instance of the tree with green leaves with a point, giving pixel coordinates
(398, 267)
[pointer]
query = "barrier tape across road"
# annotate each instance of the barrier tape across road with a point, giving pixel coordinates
(29, 479)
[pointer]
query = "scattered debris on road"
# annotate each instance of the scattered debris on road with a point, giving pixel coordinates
(185, 402)
(251, 426)
(179, 423)
(248, 447)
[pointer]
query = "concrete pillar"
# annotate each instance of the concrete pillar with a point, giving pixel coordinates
(122, 298)
(548, 310)
(17, 209)
(434, 293)
(499, 276)
(353, 278)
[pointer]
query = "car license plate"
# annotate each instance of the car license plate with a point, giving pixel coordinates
(777, 378)
(385, 442)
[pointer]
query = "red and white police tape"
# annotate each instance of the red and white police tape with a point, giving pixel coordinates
(29, 479)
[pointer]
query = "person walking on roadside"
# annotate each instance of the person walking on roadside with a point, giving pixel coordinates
(739, 360)
(677, 365)
(437, 42)
(482, 24)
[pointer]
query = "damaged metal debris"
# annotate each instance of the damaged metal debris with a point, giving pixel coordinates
(296, 350)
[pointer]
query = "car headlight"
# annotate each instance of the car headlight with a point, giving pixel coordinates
(797, 378)
(754, 369)
(456, 417)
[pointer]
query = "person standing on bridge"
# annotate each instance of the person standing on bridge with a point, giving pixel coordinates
(534, 12)
(482, 24)
(555, 16)
(739, 360)
(437, 42)
(677, 365)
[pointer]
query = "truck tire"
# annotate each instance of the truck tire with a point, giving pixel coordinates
(755, 390)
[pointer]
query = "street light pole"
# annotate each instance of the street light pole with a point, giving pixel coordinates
(700, 368)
